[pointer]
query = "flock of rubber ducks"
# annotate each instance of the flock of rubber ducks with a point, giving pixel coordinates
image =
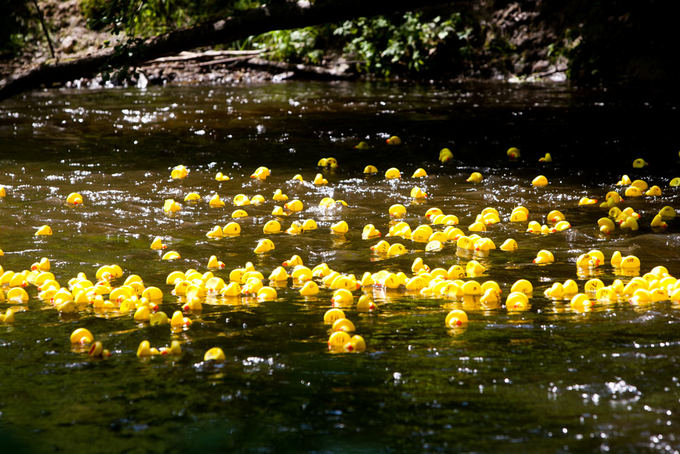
(110, 292)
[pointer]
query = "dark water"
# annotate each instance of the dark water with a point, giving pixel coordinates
(546, 379)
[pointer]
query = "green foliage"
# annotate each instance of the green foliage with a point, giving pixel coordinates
(299, 45)
(407, 45)
(15, 23)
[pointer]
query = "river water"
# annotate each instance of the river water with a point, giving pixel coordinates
(549, 378)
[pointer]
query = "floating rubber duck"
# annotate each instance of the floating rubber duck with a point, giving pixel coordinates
(517, 301)
(392, 173)
(236, 214)
(294, 206)
(221, 177)
(422, 234)
(540, 181)
(513, 153)
(456, 318)
(294, 229)
(170, 206)
(342, 297)
(339, 228)
(8, 316)
(231, 229)
(519, 214)
(393, 140)
(580, 302)
(295, 260)
(214, 354)
(667, 213)
(630, 223)
(474, 269)
(675, 182)
(417, 193)
(419, 173)
(397, 211)
(396, 249)
(215, 202)
(328, 162)
(192, 197)
(639, 163)
(509, 245)
(271, 227)
(337, 341)
(477, 227)
(653, 191)
(343, 324)
(279, 196)
(475, 177)
(264, 246)
(445, 155)
(3, 192)
(630, 263)
(171, 255)
(74, 199)
(381, 247)
(319, 180)
(624, 181)
(261, 173)
(179, 172)
(633, 191)
(606, 225)
(523, 286)
(587, 201)
(44, 230)
(658, 222)
(213, 263)
(369, 231)
(81, 336)
(310, 288)
(546, 158)
(267, 294)
(370, 170)
(544, 257)
(362, 146)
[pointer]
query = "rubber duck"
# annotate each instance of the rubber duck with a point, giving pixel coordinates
(231, 229)
(74, 199)
(342, 297)
(555, 216)
(513, 153)
(544, 257)
(653, 191)
(369, 231)
(422, 234)
(522, 286)
(456, 318)
(7, 317)
(43, 265)
(271, 227)
(319, 180)
(214, 354)
(630, 263)
(370, 170)
(397, 211)
(221, 177)
(570, 288)
(624, 181)
(236, 214)
(540, 181)
(339, 228)
(465, 243)
(337, 341)
(393, 140)
(297, 177)
(639, 163)
(44, 230)
(170, 206)
(489, 218)
(419, 173)
(392, 173)
(266, 294)
(257, 200)
(438, 236)
(431, 213)
(192, 197)
(445, 155)
(477, 227)
(633, 191)
(213, 263)
(519, 214)
(606, 225)
(517, 301)
(3, 192)
(261, 173)
(179, 172)
(330, 162)
(509, 245)
(362, 146)
(381, 247)
(81, 336)
(534, 227)
(630, 223)
(310, 288)
(587, 201)
(396, 249)
(474, 269)
(667, 213)
(555, 291)
(178, 321)
(171, 255)
(294, 206)
(295, 260)
(658, 222)
(343, 324)
(264, 246)
(215, 232)
(592, 286)
(475, 177)
(434, 246)
(417, 193)
(580, 302)
(546, 158)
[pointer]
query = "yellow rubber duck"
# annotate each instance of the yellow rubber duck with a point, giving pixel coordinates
(419, 173)
(370, 170)
(639, 163)
(73, 199)
(509, 245)
(606, 225)
(310, 288)
(422, 233)
(397, 211)
(540, 181)
(587, 201)
(271, 227)
(362, 146)
(261, 173)
(192, 197)
(319, 180)
(3, 192)
(264, 246)
(396, 249)
(624, 181)
(170, 206)
(215, 201)
(393, 140)
(381, 247)
(294, 206)
(295, 260)
(214, 354)
(342, 298)
(213, 263)
(81, 336)
(231, 229)
(267, 294)
(474, 269)
(544, 257)
(392, 173)
(517, 302)
(339, 228)
(179, 172)
(455, 319)
(236, 214)
(522, 286)
(222, 177)
(513, 153)
(519, 214)
(369, 231)
(418, 193)
(475, 177)
(445, 155)
(653, 191)
(675, 182)
(279, 196)
(667, 212)
(546, 158)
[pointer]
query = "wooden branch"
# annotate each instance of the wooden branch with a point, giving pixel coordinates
(305, 71)
(280, 16)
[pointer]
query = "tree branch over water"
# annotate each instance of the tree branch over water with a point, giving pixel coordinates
(277, 16)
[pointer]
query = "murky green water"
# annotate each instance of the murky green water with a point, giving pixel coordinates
(547, 379)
